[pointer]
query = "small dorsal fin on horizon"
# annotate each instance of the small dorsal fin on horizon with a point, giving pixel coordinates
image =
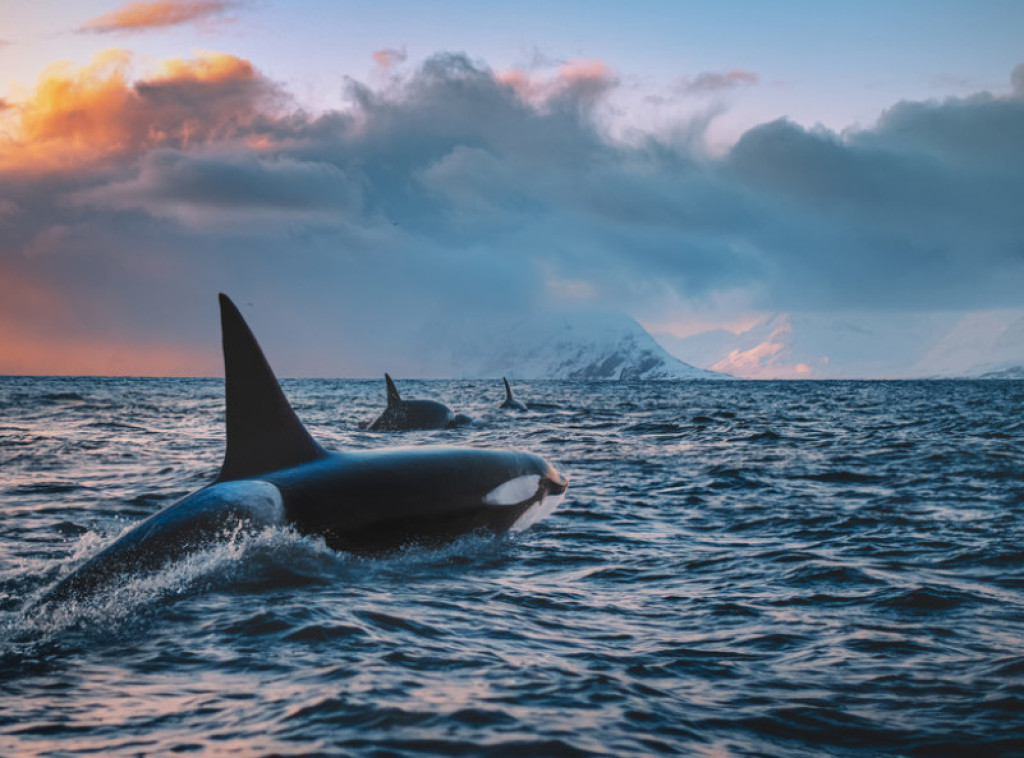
(393, 397)
(508, 390)
(263, 432)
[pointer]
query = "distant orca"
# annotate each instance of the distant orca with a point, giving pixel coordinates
(510, 401)
(405, 415)
(519, 405)
(364, 501)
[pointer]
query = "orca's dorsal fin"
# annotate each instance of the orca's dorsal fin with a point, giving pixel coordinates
(508, 391)
(393, 397)
(263, 432)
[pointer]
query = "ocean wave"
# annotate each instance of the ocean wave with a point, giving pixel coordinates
(744, 568)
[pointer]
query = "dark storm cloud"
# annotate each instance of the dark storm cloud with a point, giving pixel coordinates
(461, 195)
(212, 188)
(921, 211)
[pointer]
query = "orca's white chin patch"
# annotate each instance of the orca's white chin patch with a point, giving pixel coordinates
(514, 491)
(545, 507)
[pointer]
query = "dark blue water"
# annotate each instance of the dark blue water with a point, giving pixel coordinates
(769, 569)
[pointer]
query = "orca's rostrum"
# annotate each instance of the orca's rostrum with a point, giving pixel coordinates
(275, 473)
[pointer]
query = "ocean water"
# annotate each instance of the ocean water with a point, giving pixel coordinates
(738, 569)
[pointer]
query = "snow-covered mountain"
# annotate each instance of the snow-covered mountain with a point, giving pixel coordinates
(566, 344)
(987, 344)
(893, 345)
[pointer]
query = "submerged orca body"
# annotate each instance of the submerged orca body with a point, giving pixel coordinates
(275, 473)
(510, 401)
(406, 415)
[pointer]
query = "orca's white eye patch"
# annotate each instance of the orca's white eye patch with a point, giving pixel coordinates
(514, 491)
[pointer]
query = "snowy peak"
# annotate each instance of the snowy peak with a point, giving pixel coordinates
(567, 344)
(986, 343)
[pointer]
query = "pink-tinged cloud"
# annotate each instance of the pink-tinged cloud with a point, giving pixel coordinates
(584, 70)
(79, 116)
(586, 79)
(582, 80)
(464, 197)
(710, 82)
(389, 57)
(771, 359)
(155, 15)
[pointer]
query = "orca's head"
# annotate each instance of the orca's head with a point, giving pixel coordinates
(535, 492)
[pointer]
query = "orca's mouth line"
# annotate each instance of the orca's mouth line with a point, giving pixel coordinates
(556, 486)
(527, 490)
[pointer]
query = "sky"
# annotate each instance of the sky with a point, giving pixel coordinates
(352, 173)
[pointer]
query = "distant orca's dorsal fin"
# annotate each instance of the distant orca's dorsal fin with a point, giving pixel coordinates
(508, 391)
(393, 397)
(263, 432)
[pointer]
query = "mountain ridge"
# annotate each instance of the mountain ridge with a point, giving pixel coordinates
(580, 344)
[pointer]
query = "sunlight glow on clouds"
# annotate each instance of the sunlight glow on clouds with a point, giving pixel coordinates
(156, 14)
(587, 80)
(388, 57)
(454, 193)
(77, 116)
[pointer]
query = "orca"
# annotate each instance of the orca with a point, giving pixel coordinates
(519, 405)
(275, 473)
(406, 415)
(510, 401)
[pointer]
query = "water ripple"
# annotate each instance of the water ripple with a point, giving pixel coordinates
(740, 568)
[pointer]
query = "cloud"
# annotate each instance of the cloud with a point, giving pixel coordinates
(389, 57)
(919, 211)
(156, 14)
(455, 194)
(223, 190)
(78, 116)
(581, 81)
(710, 82)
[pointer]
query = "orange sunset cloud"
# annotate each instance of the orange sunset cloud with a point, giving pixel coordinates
(78, 116)
(579, 78)
(157, 14)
